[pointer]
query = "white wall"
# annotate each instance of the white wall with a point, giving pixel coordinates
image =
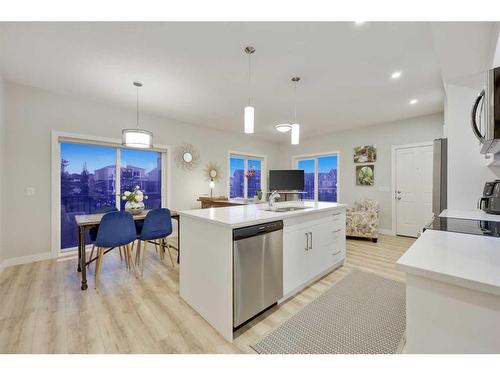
(2, 148)
(467, 170)
(383, 136)
(32, 114)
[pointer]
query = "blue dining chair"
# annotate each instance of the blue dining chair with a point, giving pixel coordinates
(157, 225)
(93, 230)
(116, 229)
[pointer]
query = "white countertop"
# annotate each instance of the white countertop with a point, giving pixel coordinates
(470, 214)
(240, 216)
(465, 260)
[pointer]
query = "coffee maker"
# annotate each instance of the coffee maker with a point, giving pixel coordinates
(490, 201)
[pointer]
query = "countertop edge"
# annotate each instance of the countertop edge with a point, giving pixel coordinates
(279, 216)
(449, 279)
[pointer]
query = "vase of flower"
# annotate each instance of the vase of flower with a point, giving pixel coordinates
(135, 200)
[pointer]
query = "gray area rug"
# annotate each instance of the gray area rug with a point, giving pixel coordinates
(361, 314)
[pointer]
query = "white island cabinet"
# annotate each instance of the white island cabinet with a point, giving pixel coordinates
(452, 293)
(313, 245)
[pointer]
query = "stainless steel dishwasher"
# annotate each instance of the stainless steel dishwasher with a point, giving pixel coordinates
(257, 269)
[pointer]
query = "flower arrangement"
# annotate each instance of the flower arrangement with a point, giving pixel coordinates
(135, 196)
(250, 173)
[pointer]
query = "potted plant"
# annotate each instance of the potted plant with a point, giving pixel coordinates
(135, 200)
(259, 194)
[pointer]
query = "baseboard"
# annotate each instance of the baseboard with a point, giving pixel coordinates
(388, 232)
(25, 259)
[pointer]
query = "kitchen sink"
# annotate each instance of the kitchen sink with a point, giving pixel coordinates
(284, 209)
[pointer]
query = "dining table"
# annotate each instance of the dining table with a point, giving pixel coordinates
(87, 221)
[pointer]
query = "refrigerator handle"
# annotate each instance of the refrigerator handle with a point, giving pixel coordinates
(473, 123)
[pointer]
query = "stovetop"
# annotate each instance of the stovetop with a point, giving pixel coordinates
(477, 227)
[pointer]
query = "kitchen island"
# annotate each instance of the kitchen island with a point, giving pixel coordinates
(313, 242)
(453, 290)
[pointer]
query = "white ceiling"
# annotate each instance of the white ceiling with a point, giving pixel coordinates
(197, 72)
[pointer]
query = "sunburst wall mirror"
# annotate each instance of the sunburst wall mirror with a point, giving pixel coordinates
(187, 157)
(213, 172)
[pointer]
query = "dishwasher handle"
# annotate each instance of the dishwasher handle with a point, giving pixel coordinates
(257, 230)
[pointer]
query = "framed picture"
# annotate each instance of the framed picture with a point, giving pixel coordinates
(365, 175)
(365, 154)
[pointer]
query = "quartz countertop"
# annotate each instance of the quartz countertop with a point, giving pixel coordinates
(469, 214)
(240, 216)
(465, 260)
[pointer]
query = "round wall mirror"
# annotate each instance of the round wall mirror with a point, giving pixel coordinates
(213, 173)
(187, 157)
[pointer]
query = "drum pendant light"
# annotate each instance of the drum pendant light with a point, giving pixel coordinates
(137, 138)
(249, 112)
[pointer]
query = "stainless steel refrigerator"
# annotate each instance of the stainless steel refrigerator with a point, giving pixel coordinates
(439, 177)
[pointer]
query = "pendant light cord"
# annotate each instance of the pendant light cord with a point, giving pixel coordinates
(137, 106)
(295, 102)
(249, 76)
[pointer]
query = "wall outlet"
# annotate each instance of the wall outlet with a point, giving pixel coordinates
(30, 191)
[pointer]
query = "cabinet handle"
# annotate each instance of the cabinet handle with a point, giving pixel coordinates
(338, 213)
(338, 252)
(311, 246)
(307, 241)
(336, 231)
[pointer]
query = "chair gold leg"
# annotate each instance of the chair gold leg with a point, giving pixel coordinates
(133, 263)
(91, 255)
(100, 252)
(144, 257)
(120, 251)
(138, 252)
(165, 242)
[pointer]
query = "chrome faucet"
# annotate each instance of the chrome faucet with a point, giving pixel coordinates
(274, 195)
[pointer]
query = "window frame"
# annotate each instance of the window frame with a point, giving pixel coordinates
(245, 156)
(57, 138)
(315, 157)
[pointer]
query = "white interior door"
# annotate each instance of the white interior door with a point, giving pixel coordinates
(413, 193)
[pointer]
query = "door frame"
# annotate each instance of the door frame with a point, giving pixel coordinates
(394, 148)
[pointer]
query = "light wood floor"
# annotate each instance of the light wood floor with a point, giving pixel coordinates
(43, 310)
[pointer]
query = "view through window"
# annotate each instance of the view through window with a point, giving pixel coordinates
(320, 177)
(244, 176)
(89, 184)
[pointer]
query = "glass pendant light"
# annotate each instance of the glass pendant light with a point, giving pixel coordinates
(249, 113)
(137, 138)
(295, 133)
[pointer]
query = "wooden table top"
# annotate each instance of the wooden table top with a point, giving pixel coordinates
(94, 219)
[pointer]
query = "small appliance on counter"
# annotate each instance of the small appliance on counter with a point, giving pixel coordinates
(490, 201)
(467, 226)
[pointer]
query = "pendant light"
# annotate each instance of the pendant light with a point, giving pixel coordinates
(137, 138)
(249, 113)
(295, 126)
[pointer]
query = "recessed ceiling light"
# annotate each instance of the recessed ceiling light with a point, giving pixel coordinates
(396, 75)
(283, 128)
(413, 101)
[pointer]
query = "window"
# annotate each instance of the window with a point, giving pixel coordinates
(141, 168)
(245, 176)
(88, 181)
(320, 177)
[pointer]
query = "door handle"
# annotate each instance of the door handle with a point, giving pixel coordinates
(311, 246)
(473, 123)
(307, 241)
